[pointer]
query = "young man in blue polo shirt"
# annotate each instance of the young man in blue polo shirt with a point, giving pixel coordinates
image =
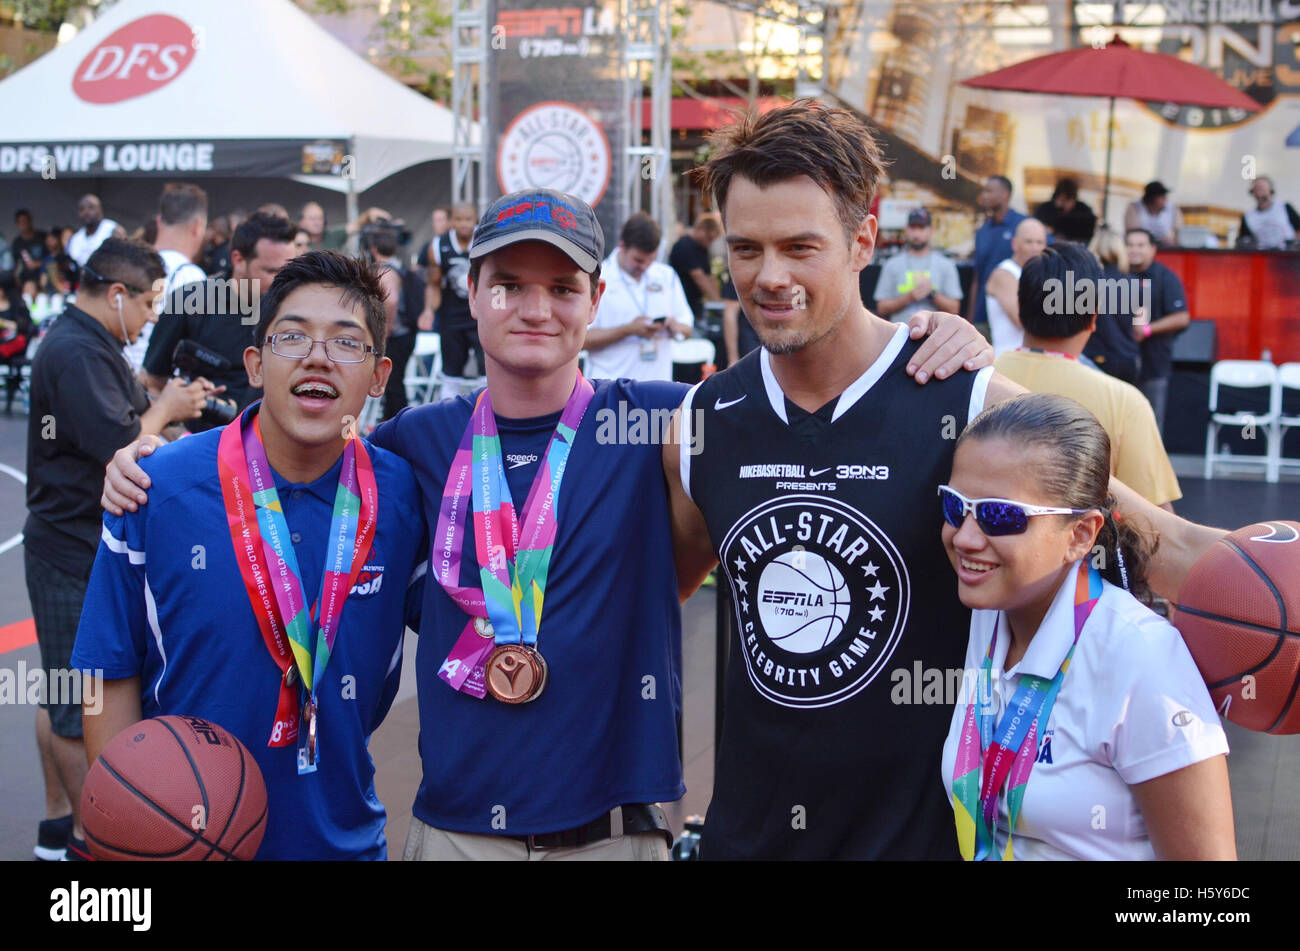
(548, 730)
(173, 620)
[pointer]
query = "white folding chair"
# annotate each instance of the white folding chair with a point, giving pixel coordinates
(424, 369)
(1288, 378)
(693, 350)
(1244, 375)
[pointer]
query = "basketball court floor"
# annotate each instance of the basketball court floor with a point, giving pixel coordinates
(1265, 770)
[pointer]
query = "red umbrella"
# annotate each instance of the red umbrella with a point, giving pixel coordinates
(1117, 70)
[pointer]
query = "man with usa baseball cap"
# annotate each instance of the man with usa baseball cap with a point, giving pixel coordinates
(549, 663)
(548, 722)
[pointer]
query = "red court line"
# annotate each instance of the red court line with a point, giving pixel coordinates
(14, 636)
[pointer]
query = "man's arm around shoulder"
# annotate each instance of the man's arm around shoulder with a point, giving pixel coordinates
(692, 549)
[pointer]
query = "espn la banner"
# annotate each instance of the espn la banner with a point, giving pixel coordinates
(555, 111)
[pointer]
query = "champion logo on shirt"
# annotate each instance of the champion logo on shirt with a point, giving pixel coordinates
(368, 582)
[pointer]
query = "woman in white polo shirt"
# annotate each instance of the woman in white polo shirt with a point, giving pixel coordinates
(1085, 730)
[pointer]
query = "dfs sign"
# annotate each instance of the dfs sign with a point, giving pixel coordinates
(142, 56)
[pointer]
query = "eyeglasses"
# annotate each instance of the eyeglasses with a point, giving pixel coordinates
(297, 346)
(994, 516)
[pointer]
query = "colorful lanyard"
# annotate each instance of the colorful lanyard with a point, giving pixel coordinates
(643, 305)
(1008, 758)
(516, 564)
(1050, 353)
(269, 567)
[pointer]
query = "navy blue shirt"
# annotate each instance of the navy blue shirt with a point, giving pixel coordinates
(604, 731)
(166, 602)
(992, 247)
(1167, 297)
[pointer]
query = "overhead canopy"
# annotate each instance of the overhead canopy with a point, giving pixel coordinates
(196, 88)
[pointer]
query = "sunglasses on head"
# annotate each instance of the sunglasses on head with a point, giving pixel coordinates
(994, 516)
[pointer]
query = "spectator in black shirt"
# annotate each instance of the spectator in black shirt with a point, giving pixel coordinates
(16, 331)
(29, 250)
(1112, 346)
(86, 404)
(690, 259)
(261, 246)
(1065, 216)
(1156, 330)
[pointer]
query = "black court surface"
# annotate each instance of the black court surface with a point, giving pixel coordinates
(1265, 770)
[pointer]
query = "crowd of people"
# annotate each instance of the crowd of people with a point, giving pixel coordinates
(511, 766)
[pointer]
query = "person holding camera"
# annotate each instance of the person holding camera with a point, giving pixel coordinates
(219, 316)
(643, 306)
(86, 404)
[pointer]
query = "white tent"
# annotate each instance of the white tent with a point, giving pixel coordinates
(211, 89)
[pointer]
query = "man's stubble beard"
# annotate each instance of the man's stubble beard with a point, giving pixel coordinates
(799, 341)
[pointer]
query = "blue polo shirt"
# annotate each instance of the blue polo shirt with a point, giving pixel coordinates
(166, 602)
(604, 730)
(992, 247)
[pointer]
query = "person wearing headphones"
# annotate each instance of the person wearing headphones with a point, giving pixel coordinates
(1270, 224)
(1083, 729)
(85, 405)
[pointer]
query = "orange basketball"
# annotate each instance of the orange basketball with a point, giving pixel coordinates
(175, 788)
(1239, 612)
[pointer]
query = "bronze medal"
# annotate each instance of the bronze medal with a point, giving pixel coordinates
(515, 674)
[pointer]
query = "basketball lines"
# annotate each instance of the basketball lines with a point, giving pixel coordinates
(9, 543)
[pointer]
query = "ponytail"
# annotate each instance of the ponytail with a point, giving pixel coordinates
(1127, 553)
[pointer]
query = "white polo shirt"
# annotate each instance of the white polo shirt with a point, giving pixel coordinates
(1132, 707)
(180, 271)
(81, 245)
(658, 293)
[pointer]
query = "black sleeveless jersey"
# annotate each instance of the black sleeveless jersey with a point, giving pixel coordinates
(454, 312)
(827, 526)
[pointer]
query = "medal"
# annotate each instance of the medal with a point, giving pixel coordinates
(516, 674)
(496, 652)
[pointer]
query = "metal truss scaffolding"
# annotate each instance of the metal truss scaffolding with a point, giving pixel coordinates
(469, 165)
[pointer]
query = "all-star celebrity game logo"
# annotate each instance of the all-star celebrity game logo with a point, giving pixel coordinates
(821, 598)
(555, 145)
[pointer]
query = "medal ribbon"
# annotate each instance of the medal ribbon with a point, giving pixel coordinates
(1008, 753)
(513, 574)
(269, 567)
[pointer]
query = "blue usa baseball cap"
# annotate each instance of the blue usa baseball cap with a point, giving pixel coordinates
(541, 214)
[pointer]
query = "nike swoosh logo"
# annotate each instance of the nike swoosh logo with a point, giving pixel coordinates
(817, 472)
(718, 404)
(1272, 531)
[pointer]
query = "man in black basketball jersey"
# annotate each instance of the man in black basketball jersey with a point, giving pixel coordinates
(448, 295)
(814, 486)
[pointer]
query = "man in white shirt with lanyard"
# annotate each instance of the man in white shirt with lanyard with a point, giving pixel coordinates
(182, 223)
(643, 307)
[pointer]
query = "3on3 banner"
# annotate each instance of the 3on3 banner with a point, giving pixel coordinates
(555, 105)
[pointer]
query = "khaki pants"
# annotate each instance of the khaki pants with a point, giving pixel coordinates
(425, 843)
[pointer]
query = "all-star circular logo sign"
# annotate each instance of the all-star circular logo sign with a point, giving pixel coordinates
(555, 145)
(136, 59)
(821, 598)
